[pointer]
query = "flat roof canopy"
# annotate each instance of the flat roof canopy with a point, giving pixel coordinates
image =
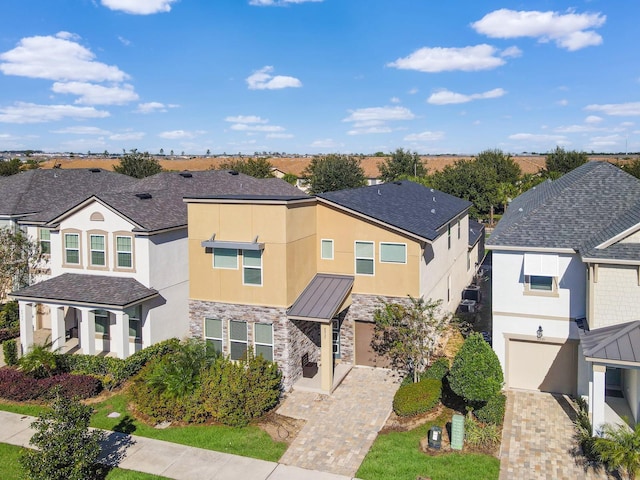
(321, 299)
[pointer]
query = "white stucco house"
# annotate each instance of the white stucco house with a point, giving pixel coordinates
(566, 290)
(117, 278)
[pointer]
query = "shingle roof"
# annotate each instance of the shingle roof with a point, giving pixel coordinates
(584, 207)
(37, 190)
(617, 342)
(321, 299)
(475, 232)
(96, 290)
(406, 205)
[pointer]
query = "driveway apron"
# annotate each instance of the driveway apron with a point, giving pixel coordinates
(340, 428)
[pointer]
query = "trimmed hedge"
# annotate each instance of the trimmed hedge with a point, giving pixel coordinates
(17, 386)
(438, 369)
(10, 352)
(9, 333)
(415, 398)
(493, 410)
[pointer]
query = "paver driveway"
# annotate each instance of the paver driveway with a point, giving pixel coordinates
(340, 428)
(537, 439)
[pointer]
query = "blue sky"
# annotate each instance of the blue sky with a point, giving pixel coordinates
(319, 76)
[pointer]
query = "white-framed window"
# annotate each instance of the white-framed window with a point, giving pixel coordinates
(393, 252)
(101, 320)
(225, 258)
(72, 248)
(263, 340)
(326, 249)
(540, 283)
(44, 235)
(252, 267)
(364, 258)
(97, 255)
(135, 321)
(213, 333)
(237, 339)
(124, 252)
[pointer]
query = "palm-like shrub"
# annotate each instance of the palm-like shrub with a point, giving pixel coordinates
(41, 360)
(619, 449)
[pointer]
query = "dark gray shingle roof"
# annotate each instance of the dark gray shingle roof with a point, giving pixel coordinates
(617, 342)
(99, 290)
(321, 299)
(476, 229)
(406, 205)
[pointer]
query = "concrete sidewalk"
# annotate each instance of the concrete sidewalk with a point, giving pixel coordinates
(170, 460)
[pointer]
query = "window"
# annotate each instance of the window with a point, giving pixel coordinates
(252, 267)
(97, 251)
(449, 236)
(364, 258)
(237, 339)
(101, 319)
(135, 321)
(393, 253)
(213, 333)
(45, 240)
(335, 330)
(468, 260)
(263, 340)
(225, 258)
(540, 283)
(326, 249)
(72, 248)
(458, 229)
(124, 252)
(448, 288)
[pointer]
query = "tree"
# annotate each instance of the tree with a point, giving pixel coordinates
(476, 374)
(10, 167)
(505, 168)
(66, 448)
(290, 178)
(619, 449)
(401, 164)
(19, 256)
(409, 334)
(208, 152)
(138, 165)
(563, 161)
(254, 167)
(334, 172)
(633, 167)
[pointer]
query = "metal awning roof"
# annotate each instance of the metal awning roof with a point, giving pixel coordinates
(321, 299)
(614, 344)
(233, 245)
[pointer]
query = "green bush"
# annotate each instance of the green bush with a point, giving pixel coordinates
(476, 374)
(109, 370)
(493, 410)
(135, 362)
(10, 351)
(10, 315)
(415, 398)
(438, 369)
(477, 434)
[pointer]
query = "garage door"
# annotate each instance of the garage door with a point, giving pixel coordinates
(546, 367)
(364, 353)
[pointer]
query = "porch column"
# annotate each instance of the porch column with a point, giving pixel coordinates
(120, 335)
(87, 332)
(58, 333)
(326, 357)
(596, 402)
(26, 325)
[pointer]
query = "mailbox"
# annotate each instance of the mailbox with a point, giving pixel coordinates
(435, 437)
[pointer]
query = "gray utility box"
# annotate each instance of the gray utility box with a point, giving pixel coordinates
(467, 306)
(472, 292)
(435, 437)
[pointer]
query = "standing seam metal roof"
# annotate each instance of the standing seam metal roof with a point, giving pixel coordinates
(321, 299)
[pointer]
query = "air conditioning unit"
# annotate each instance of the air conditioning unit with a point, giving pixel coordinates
(472, 292)
(467, 306)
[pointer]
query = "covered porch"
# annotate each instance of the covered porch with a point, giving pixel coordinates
(613, 356)
(90, 314)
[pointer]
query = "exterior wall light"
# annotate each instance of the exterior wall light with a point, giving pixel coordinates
(539, 332)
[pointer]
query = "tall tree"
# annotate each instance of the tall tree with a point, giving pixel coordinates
(401, 164)
(563, 161)
(334, 172)
(506, 169)
(138, 165)
(254, 167)
(19, 256)
(409, 334)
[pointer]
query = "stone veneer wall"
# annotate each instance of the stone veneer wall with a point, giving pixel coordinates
(290, 339)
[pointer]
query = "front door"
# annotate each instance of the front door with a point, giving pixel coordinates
(336, 338)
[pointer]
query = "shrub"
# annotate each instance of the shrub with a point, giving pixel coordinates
(18, 387)
(10, 352)
(71, 386)
(10, 315)
(109, 370)
(493, 410)
(135, 362)
(476, 374)
(438, 369)
(583, 430)
(9, 333)
(481, 435)
(415, 398)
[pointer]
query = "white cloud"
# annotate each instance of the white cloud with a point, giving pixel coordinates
(446, 97)
(570, 30)
(325, 143)
(440, 59)
(533, 137)
(593, 119)
(563, 102)
(617, 109)
(263, 80)
(370, 130)
(153, 107)
(605, 141)
(22, 112)
(424, 136)
(279, 135)
(176, 134)
(126, 42)
(57, 58)
(278, 3)
(245, 127)
(139, 7)
(374, 119)
(245, 119)
(80, 130)
(252, 124)
(127, 136)
(92, 94)
(575, 129)
(413, 91)
(511, 52)
(395, 100)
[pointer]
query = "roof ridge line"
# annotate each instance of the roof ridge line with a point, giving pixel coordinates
(607, 341)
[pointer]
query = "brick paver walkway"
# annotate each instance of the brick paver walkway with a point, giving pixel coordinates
(341, 427)
(537, 439)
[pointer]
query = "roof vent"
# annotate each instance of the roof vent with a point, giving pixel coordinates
(379, 192)
(94, 170)
(397, 183)
(143, 196)
(433, 210)
(186, 174)
(233, 172)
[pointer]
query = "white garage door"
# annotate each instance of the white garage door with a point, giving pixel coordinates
(546, 367)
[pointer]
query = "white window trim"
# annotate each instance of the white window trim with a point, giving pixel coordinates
(356, 258)
(213, 260)
(332, 246)
(41, 241)
(118, 252)
(252, 268)
(66, 249)
(245, 342)
(393, 243)
(542, 293)
(104, 250)
(256, 343)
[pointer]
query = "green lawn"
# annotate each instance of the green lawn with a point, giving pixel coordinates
(397, 455)
(11, 469)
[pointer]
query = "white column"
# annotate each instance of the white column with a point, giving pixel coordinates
(58, 333)
(596, 402)
(120, 335)
(87, 332)
(26, 325)
(326, 357)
